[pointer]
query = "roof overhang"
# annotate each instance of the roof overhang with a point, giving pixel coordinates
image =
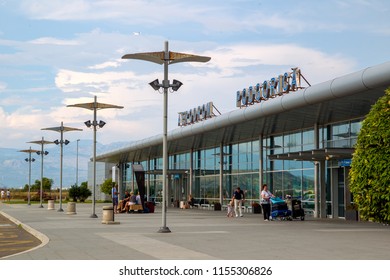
(344, 98)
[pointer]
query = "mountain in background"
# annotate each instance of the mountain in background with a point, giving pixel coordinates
(14, 170)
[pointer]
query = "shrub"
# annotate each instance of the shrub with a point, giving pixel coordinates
(370, 168)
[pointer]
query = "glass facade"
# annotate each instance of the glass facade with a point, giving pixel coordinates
(240, 166)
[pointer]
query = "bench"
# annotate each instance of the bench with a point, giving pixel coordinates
(205, 205)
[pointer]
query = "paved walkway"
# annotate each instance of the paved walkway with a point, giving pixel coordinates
(196, 234)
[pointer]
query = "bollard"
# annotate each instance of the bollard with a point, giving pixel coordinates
(50, 204)
(108, 215)
(71, 208)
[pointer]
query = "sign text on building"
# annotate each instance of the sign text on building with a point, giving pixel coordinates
(196, 114)
(280, 85)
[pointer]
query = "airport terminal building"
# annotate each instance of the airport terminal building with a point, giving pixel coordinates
(299, 140)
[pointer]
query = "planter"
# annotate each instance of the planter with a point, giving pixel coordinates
(50, 204)
(71, 208)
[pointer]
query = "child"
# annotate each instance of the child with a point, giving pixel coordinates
(230, 207)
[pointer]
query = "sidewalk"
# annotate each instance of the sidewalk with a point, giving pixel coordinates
(196, 234)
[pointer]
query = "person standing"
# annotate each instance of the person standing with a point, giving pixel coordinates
(265, 202)
(230, 209)
(2, 195)
(114, 194)
(8, 195)
(238, 197)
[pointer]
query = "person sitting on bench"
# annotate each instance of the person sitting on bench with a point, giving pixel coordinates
(132, 201)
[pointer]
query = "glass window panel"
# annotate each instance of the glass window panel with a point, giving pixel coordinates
(292, 142)
(308, 137)
(340, 136)
(255, 146)
(255, 162)
(276, 145)
(234, 159)
(243, 147)
(275, 183)
(292, 183)
(292, 164)
(276, 164)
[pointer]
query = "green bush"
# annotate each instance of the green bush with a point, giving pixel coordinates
(370, 169)
(79, 193)
(84, 193)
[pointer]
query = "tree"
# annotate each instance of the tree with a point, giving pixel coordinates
(46, 186)
(79, 193)
(106, 187)
(74, 192)
(370, 168)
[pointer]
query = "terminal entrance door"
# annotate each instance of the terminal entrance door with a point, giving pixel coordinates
(341, 192)
(178, 189)
(341, 196)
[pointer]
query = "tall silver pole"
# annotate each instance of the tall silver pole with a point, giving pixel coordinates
(165, 57)
(29, 179)
(77, 163)
(94, 160)
(164, 227)
(61, 158)
(41, 195)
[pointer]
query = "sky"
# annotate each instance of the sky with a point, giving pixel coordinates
(55, 53)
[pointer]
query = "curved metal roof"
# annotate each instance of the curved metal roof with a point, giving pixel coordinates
(347, 97)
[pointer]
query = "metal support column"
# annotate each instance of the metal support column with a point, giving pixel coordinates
(221, 158)
(261, 164)
(316, 174)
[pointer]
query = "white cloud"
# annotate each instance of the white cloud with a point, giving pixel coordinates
(54, 41)
(231, 68)
(107, 64)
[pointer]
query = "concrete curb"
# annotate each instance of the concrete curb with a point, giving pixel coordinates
(43, 238)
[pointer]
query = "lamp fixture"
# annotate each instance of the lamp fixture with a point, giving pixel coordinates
(88, 123)
(101, 124)
(155, 84)
(176, 85)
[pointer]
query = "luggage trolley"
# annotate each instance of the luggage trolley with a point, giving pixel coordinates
(279, 209)
(295, 205)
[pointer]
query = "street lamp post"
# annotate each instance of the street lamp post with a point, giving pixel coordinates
(166, 57)
(29, 160)
(77, 163)
(61, 129)
(94, 106)
(42, 153)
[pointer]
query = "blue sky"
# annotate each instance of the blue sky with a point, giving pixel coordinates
(54, 53)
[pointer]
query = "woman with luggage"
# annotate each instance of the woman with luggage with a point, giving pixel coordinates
(265, 202)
